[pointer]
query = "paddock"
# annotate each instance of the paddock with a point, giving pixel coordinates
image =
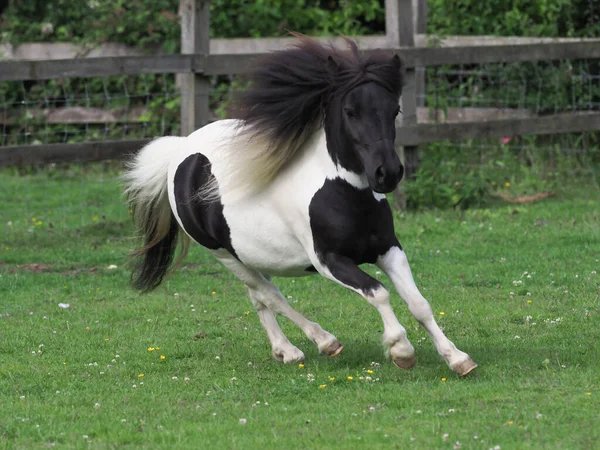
(88, 361)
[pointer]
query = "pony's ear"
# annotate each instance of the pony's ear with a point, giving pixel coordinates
(332, 65)
(397, 61)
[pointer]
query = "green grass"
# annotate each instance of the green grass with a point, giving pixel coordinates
(487, 270)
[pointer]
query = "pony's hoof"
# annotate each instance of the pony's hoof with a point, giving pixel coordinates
(289, 357)
(405, 363)
(464, 367)
(333, 349)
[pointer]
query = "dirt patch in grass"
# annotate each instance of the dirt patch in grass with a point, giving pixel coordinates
(46, 268)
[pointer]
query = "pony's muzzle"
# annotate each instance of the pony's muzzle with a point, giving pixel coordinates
(386, 178)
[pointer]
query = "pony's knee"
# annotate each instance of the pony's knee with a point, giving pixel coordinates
(378, 297)
(258, 299)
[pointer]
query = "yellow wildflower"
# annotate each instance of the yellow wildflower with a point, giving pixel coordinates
(141, 375)
(443, 380)
(370, 372)
(442, 313)
(350, 378)
(301, 366)
(331, 378)
(323, 386)
(162, 357)
(507, 184)
(150, 349)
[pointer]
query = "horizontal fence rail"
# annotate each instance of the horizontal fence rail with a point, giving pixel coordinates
(576, 122)
(238, 63)
(24, 155)
(406, 135)
(100, 67)
(235, 64)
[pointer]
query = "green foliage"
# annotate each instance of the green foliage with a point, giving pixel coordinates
(470, 174)
(550, 18)
(137, 22)
(148, 23)
(260, 18)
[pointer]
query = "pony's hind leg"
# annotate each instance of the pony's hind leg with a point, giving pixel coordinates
(283, 350)
(268, 300)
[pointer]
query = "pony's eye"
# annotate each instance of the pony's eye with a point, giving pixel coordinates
(349, 112)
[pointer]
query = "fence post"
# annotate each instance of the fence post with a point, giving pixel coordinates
(399, 29)
(421, 28)
(195, 88)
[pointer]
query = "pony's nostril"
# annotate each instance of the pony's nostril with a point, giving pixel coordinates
(380, 174)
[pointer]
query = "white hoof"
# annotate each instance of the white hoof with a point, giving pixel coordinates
(400, 350)
(465, 367)
(288, 355)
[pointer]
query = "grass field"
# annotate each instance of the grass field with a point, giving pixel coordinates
(515, 287)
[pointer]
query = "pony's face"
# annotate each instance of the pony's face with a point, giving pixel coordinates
(369, 114)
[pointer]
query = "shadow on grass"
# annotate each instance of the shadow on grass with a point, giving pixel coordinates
(494, 362)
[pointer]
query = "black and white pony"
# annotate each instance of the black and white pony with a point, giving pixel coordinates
(293, 187)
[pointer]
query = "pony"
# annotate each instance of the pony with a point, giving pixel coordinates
(294, 186)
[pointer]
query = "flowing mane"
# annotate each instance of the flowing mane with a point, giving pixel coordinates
(287, 101)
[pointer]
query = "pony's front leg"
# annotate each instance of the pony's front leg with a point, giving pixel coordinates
(395, 264)
(344, 271)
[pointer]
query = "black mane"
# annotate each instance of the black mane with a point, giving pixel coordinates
(291, 89)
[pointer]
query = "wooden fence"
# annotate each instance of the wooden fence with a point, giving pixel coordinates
(197, 64)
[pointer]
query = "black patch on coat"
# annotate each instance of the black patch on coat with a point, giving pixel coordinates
(203, 221)
(350, 227)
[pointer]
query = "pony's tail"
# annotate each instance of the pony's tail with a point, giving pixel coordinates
(145, 185)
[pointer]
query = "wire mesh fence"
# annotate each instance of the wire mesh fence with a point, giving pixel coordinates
(58, 200)
(129, 107)
(533, 88)
(72, 110)
(86, 109)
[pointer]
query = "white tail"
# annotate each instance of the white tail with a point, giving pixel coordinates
(146, 177)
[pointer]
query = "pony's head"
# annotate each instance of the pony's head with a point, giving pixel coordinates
(354, 97)
(361, 118)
